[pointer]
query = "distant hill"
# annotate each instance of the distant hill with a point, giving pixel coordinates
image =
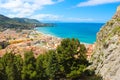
(19, 23)
(26, 20)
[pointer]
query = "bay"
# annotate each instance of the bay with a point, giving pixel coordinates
(85, 32)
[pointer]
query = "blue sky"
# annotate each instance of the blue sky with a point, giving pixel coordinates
(61, 10)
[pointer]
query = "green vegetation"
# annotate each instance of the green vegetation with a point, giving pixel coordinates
(116, 30)
(34, 22)
(19, 23)
(72, 58)
(118, 19)
(3, 44)
(10, 67)
(0, 47)
(68, 62)
(26, 20)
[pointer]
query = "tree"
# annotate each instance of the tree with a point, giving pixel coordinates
(41, 65)
(72, 58)
(52, 65)
(28, 70)
(9, 67)
(68, 61)
(3, 44)
(2, 70)
(18, 61)
(0, 47)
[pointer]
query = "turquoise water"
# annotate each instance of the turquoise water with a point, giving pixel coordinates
(85, 32)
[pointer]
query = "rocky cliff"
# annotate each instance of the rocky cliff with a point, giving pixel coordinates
(106, 56)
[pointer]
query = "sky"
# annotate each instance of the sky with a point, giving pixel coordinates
(60, 10)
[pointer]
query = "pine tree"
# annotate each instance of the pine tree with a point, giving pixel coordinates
(40, 67)
(28, 70)
(9, 66)
(72, 58)
(52, 65)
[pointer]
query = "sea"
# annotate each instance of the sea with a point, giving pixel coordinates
(85, 32)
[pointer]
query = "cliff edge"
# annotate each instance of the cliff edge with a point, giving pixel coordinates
(106, 56)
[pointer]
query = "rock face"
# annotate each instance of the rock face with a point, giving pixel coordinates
(118, 9)
(106, 56)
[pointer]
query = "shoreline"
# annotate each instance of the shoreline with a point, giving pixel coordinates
(89, 47)
(38, 42)
(47, 34)
(59, 37)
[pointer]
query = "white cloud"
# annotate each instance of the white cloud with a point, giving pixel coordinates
(71, 19)
(51, 17)
(24, 8)
(46, 17)
(54, 17)
(96, 2)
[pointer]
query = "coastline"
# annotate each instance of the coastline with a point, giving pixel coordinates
(47, 34)
(27, 40)
(86, 44)
(89, 47)
(81, 31)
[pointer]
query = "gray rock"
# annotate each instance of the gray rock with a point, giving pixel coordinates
(106, 56)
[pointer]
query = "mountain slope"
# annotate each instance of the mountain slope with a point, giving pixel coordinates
(26, 20)
(6, 22)
(106, 56)
(19, 23)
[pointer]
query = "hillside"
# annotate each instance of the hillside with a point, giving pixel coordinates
(106, 56)
(26, 20)
(19, 23)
